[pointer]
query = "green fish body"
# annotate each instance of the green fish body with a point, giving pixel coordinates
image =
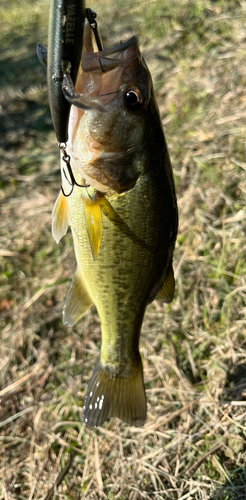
(124, 228)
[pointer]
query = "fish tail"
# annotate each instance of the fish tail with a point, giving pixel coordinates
(115, 396)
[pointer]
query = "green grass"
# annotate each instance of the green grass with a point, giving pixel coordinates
(193, 443)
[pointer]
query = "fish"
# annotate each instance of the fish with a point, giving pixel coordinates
(124, 223)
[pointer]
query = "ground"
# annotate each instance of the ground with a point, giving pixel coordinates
(194, 350)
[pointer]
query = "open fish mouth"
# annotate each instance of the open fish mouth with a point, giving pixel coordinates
(104, 71)
(100, 61)
(107, 149)
(120, 46)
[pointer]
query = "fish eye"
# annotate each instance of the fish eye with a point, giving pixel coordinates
(134, 99)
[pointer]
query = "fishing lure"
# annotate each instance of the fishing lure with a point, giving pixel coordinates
(62, 59)
(65, 43)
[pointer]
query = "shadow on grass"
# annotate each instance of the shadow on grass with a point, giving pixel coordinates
(234, 392)
(233, 398)
(25, 116)
(19, 66)
(24, 101)
(234, 488)
(235, 386)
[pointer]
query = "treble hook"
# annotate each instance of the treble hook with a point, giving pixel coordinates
(91, 16)
(66, 159)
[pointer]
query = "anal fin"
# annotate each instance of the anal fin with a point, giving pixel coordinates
(60, 217)
(166, 293)
(77, 302)
(94, 223)
(115, 396)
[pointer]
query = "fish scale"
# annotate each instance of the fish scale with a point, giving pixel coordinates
(124, 228)
(122, 278)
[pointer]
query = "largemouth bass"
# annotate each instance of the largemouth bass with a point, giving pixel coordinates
(124, 225)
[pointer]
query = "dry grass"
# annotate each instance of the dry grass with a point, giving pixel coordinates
(193, 444)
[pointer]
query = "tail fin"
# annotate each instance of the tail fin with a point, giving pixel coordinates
(114, 396)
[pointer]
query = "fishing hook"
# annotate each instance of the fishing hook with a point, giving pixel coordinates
(66, 159)
(91, 16)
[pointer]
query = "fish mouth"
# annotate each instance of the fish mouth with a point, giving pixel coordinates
(100, 60)
(119, 47)
(103, 72)
(108, 148)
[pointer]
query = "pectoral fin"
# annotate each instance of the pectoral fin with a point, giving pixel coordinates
(94, 223)
(166, 293)
(60, 218)
(118, 222)
(77, 302)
